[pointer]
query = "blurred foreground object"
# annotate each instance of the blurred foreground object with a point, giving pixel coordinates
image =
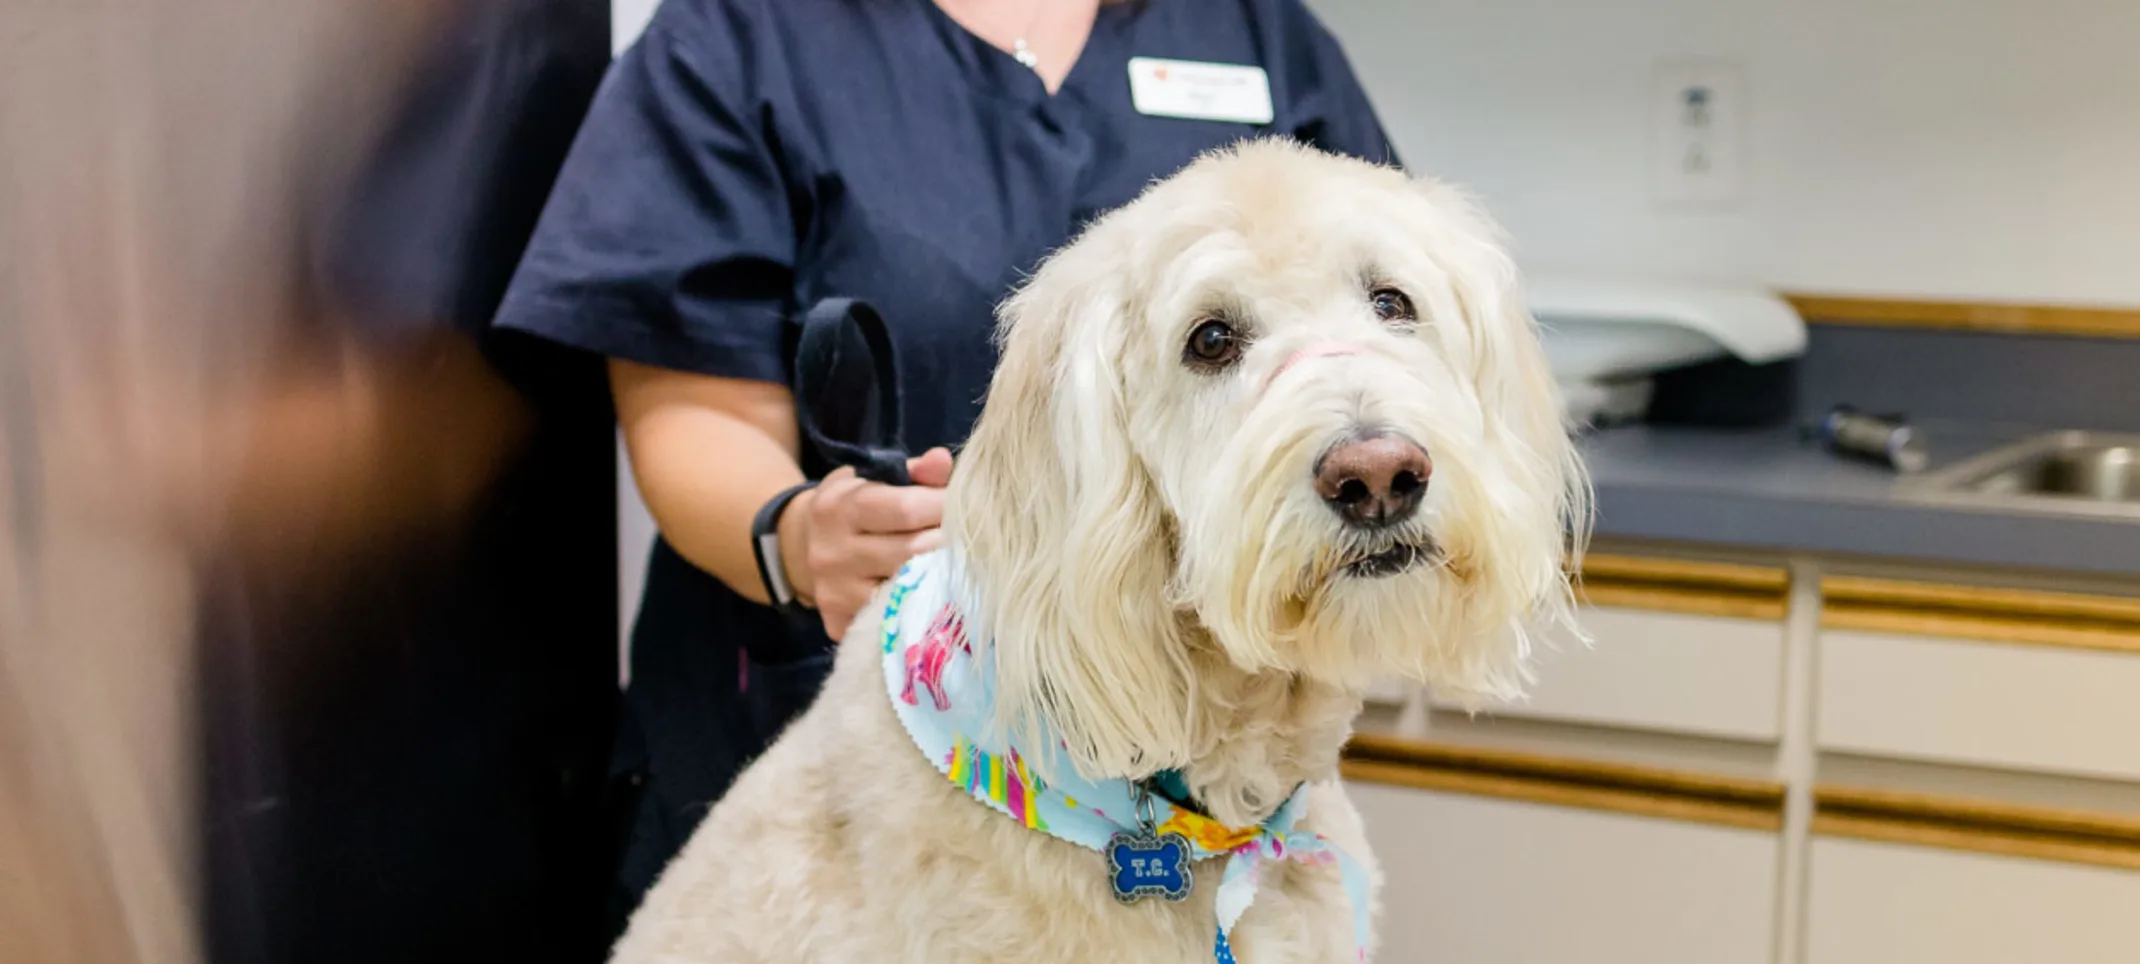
(247, 505)
(143, 263)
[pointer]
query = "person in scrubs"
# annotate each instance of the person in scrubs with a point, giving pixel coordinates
(747, 158)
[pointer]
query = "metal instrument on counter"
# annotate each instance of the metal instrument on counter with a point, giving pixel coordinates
(1886, 439)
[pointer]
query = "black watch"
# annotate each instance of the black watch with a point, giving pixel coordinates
(765, 546)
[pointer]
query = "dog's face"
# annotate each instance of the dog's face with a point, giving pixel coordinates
(1285, 405)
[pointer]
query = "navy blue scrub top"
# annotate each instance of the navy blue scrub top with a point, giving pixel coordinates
(747, 157)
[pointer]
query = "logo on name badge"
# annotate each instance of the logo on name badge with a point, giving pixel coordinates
(1195, 90)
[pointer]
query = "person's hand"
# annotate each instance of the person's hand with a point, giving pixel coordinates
(845, 537)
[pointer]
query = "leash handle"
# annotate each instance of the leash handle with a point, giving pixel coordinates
(819, 351)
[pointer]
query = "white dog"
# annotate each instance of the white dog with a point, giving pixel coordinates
(1277, 428)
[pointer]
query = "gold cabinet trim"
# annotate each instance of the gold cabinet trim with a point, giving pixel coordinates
(1566, 782)
(1992, 600)
(1729, 590)
(1657, 569)
(1977, 826)
(2019, 616)
(1978, 316)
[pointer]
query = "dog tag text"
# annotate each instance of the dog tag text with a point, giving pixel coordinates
(1147, 865)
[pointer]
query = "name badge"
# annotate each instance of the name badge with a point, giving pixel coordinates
(1193, 90)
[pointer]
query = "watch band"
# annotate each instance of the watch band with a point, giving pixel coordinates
(765, 547)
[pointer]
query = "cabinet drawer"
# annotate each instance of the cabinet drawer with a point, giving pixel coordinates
(1389, 691)
(1677, 646)
(1884, 903)
(1665, 671)
(1637, 864)
(2031, 681)
(1470, 878)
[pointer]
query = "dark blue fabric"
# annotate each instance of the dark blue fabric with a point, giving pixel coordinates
(749, 157)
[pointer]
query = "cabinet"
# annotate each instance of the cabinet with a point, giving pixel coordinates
(1678, 646)
(1480, 880)
(1637, 673)
(1885, 903)
(1984, 677)
(1964, 757)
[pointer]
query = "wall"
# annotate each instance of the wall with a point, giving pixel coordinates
(1975, 149)
(627, 18)
(635, 528)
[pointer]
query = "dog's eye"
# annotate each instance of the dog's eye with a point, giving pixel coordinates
(1214, 344)
(1391, 305)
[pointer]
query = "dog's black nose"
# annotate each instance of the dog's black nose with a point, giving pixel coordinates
(1373, 480)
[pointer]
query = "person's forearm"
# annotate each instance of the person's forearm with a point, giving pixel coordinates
(704, 472)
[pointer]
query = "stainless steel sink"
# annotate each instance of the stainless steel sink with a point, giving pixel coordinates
(2088, 473)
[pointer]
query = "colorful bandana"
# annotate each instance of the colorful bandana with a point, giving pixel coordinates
(945, 699)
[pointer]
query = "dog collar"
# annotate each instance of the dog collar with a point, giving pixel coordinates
(945, 698)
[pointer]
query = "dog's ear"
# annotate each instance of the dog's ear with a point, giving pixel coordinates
(1547, 500)
(1061, 544)
(1527, 403)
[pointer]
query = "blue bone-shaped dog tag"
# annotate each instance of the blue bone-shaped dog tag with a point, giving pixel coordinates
(1147, 865)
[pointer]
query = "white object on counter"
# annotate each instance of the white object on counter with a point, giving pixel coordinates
(1602, 334)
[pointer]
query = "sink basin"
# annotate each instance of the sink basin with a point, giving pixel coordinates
(2109, 473)
(2087, 472)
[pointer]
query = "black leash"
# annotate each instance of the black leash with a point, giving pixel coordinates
(832, 410)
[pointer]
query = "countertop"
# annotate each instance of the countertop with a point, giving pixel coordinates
(1767, 488)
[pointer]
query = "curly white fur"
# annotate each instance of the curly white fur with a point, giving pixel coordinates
(1141, 544)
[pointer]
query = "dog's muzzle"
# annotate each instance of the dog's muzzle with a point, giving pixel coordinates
(1374, 482)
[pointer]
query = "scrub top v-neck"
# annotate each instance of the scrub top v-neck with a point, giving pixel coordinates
(749, 157)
